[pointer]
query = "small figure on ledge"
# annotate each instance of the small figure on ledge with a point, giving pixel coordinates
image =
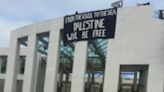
(161, 14)
(148, 3)
(117, 4)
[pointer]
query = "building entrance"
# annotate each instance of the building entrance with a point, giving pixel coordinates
(133, 78)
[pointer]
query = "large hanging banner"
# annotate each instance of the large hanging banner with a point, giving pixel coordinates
(90, 25)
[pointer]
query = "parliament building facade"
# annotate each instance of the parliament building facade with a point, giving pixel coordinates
(38, 60)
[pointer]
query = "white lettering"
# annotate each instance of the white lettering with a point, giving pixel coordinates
(84, 34)
(72, 36)
(88, 24)
(99, 33)
(87, 15)
(99, 24)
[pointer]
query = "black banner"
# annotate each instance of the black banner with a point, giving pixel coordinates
(90, 25)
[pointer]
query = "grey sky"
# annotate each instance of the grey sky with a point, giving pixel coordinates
(17, 13)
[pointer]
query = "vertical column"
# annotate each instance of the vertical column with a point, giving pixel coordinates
(93, 77)
(0, 63)
(52, 62)
(155, 78)
(111, 78)
(163, 85)
(67, 77)
(143, 81)
(120, 81)
(38, 61)
(60, 77)
(135, 81)
(19, 82)
(112, 68)
(88, 80)
(12, 65)
(79, 68)
(18, 64)
(30, 66)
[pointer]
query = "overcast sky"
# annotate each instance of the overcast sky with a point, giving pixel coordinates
(18, 13)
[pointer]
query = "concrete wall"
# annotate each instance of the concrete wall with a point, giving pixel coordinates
(2, 81)
(139, 39)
